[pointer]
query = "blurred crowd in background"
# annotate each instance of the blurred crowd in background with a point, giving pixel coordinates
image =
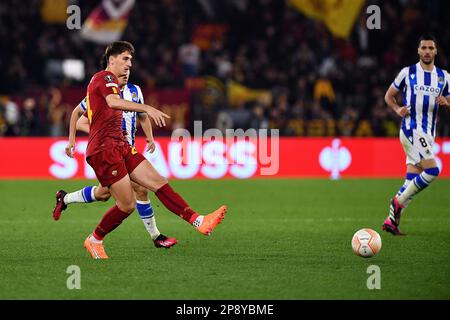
(306, 81)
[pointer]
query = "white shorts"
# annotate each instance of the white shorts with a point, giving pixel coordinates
(418, 146)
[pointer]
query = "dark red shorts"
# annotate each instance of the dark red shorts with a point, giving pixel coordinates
(114, 163)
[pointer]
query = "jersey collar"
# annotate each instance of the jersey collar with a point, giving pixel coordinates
(432, 71)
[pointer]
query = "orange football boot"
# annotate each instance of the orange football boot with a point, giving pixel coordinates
(96, 250)
(210, 221)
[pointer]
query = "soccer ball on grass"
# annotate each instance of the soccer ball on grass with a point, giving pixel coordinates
(366, 243)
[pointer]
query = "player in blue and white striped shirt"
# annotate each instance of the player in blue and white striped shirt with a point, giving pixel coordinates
(424, 87)
(79, 121)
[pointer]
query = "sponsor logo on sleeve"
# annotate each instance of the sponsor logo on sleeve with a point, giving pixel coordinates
(109, 78)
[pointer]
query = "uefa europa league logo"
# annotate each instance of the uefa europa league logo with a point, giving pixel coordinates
(335, 159)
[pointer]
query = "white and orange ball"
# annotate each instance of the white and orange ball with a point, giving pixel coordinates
(366, 243)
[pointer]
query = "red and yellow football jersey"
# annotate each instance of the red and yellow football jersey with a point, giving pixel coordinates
(105, 123)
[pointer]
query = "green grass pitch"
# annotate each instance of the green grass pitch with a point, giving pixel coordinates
(281, 239)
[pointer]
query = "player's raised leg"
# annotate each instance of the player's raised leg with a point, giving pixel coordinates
(418, 183)
(85, 195)
(146, 213)
(125, 204)
(147, 176)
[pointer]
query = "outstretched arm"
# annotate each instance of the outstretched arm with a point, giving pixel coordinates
(115, 102)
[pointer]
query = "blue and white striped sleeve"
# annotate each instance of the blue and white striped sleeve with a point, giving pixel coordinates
(446, 90)
(400, 80)
(140, 95)
(140, 98)
(83, 104)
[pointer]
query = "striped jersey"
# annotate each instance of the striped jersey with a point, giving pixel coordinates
(133, 93)
(420, 89)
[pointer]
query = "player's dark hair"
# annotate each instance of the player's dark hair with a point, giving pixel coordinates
(427, 37)
(115, 49)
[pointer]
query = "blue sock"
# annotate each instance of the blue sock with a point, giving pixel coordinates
(426, 177)
(88, 195)
(145, 209)
(420, 182)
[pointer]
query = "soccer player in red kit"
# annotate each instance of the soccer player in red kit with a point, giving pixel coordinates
(116, 163)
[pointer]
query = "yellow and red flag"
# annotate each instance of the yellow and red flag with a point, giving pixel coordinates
(338, 15)
(107, 21)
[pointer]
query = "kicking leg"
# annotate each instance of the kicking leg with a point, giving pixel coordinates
(145, 175)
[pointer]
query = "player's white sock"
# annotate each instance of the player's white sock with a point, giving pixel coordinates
(198, 221)
(150, 225)
(146, 213)
(409, 178)
(94, 239)
(418, 184)
(85, 195)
